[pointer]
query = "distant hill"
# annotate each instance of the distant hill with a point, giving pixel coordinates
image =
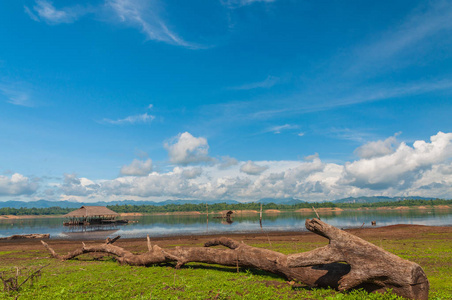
(69, 204)
(285, 201)
(40, 204)
(378, 199)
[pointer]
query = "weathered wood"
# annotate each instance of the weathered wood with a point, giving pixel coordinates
(317, 268)
(370, 265)
(26, 236)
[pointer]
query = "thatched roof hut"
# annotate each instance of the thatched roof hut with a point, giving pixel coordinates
(91, 211)
(91, 215)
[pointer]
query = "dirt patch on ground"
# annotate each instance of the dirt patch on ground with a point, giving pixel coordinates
(272, 211)
(245, 211)
(442, 206)
(18, 250)
(182, 213)
(14, 217)
(131, 214)
(322, 209)
(329, 209)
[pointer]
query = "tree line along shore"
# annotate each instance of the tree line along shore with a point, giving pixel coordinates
(250, 207)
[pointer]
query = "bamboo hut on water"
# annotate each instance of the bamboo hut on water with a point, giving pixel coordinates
(92, 215)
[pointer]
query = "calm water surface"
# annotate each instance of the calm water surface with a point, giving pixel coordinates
(158, 226)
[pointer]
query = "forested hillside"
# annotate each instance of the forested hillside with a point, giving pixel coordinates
(225, 206)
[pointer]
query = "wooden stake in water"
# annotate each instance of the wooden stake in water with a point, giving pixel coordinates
(316, 213)
(260, 215)
(207, 218)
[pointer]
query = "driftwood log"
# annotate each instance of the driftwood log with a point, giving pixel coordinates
(26, 236)
(348, 262)
(370, 265)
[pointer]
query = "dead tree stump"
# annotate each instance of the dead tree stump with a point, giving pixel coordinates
(372, 267)
(367, 266)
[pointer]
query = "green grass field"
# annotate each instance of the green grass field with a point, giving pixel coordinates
(94, 278)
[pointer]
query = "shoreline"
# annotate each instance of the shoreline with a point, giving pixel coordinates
(248, 212)
(387, 232)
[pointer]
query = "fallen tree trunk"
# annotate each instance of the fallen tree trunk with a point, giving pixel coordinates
(317, 268)
(370, 265)
(26, 236)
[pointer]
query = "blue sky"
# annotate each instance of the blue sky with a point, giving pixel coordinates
(225, 99)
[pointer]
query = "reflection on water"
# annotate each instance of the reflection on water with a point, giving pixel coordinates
(169, 225)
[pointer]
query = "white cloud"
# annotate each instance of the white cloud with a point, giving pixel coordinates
(424, 169)
(227, 161)
(278, 129)
(424, 35)
(251, 168)
(75, 186)
(47, 12)
(187, 149)
(240, 3)
(137, 168)
(267, 83)
(17, 185)
(188, 173)
(143, 14)
(435, 182)
(400, 168)
(378, 148)
(418, 27)
(135, 119)
(16, 95)
(312, 157)
(31, 14)
(378, 93)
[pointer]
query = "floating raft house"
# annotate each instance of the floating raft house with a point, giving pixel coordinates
(89, 215)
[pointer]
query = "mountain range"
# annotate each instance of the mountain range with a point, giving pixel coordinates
(286, 201)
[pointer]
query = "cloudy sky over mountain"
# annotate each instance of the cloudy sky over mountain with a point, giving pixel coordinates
(224, 99)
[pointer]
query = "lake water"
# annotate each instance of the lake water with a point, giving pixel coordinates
(171, 225)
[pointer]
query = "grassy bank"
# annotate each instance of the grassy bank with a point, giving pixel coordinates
(103, 278)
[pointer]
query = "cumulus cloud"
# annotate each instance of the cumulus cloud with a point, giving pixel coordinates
(402, 167)
(251, 168)
(75, 186)
(283, 179)
(312, 157)
(137, 168)
(17, 185)
(378, 148)
(227, 161)
(188, 173)
(424, 168)
(186, 149)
